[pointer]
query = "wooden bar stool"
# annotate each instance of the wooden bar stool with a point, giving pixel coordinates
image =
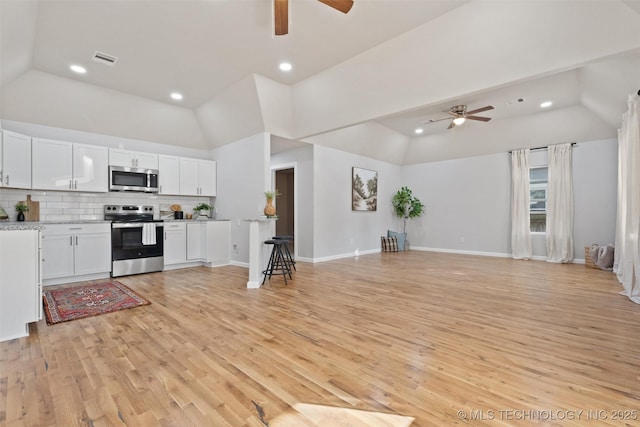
(287, 253)
(277, 261)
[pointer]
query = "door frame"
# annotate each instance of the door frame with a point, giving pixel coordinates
(294, 166)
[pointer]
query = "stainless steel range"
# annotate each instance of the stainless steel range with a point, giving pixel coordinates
(136, 239)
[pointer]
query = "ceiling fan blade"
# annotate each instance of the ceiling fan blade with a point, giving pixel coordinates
(435, 120)
(451, 125)
(281, 17)
(482, 119)
(480, 110)
(343, 6)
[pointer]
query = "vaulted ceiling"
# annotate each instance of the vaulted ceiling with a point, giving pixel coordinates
(361, 82)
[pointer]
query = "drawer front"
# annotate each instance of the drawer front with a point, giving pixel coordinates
(58, 229)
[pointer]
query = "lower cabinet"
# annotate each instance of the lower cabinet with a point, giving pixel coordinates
(20, 284)
(196, 242)
(175, 243)
(75, 251)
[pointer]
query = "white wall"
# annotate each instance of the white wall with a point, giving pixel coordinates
(595, 186)
(243, 176)
(46, 99)
(69, 135)
(303, 160)
(339, 231)
(468, 201)
(467, 204)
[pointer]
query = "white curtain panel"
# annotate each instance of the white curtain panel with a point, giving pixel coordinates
(627, 259)
(520, 222)
(560, 204)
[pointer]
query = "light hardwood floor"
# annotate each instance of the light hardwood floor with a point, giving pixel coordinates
(444, 339)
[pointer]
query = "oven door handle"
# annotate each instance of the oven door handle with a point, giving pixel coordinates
(134, 224)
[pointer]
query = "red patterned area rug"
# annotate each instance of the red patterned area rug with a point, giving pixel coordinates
(69, 302)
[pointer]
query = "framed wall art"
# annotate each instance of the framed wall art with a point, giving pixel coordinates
(364, 190)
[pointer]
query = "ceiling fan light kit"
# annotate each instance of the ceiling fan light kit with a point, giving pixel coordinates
(281, 13)
(461, 115)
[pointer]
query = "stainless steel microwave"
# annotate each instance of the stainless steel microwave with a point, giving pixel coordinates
(133, 179)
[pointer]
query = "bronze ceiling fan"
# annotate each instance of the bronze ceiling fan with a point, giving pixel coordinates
(460, 115)
(281, 12)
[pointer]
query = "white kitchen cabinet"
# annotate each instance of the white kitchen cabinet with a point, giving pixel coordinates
(132, 159)
(197, 177)
(20, 282)
(90, 168)
(61, 165)
(15, 160)
(73, 251)
(169, 174)
(175, 243)
(196, 241)
(193, 243)
(207, 177)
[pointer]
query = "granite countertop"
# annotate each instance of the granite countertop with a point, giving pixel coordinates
(39, 225)
(193, 220)
(20, 225)
(261, 219)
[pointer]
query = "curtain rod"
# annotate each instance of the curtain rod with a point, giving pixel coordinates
(542, 148)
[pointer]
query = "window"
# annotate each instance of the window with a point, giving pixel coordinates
(538, 184)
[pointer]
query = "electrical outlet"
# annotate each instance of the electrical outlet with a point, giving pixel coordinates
(235, 248)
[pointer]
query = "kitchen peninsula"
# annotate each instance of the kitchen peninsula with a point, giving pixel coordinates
(260, 229)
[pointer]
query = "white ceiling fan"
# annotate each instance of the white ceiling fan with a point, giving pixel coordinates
(460, 115)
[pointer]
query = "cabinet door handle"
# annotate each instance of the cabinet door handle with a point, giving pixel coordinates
(76, 240)
(0, 177)
(158, 188)
(70, 240)
(165, 235)
(70, 184)
(6, 178)
(75, 184)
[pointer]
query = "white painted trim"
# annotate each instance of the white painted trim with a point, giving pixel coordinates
(294, 166)
(239, 264)
(455, 251)
(347, 255)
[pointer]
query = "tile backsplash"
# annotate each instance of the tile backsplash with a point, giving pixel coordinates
(72, 206)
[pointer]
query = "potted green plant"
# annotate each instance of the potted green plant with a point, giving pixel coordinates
(406, 206)
(203, 209)
(21, 209)
(269, 209)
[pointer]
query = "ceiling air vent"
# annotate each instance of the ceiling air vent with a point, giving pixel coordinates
(104, 58)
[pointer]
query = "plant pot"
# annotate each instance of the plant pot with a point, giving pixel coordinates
(20, 216)
(269, 209)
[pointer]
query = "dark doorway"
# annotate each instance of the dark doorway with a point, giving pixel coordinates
(285, 203)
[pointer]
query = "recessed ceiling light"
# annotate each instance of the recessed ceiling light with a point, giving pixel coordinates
(419, 131)
(546, 104)
(285, 66)
(177, 96)
(78, 69)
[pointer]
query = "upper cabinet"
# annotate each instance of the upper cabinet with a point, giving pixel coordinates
(15, 160)
(60, 165)
(132, 159)
(169, 174)
(197, 177)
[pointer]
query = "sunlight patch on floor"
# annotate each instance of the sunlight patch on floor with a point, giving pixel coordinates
(309, 415)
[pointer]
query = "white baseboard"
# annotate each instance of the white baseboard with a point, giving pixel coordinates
(239, 264)
(456, 251)
(347, 255)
